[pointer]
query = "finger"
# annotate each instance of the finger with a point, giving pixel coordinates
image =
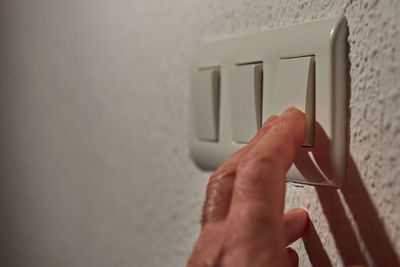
(293, 257)
(260, 177)
(295, 224)
(220, 184)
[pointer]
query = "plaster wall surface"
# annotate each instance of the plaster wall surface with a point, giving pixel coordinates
(94, 163)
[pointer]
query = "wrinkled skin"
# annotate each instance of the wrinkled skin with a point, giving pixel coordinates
(243, 222)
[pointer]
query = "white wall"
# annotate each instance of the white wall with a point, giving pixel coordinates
(93, 109)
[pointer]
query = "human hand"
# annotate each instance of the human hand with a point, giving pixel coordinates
(243, 222)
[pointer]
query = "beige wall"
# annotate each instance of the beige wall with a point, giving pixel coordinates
(94, 160)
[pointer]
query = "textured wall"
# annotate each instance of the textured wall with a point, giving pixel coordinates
(94, 161)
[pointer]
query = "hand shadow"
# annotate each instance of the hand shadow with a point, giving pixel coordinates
(370, 227)
(314, 248)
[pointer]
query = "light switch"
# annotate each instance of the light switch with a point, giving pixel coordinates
(205, 99)
(245, 85)
(294, 85)
(303, 65)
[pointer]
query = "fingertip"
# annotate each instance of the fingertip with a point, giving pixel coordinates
(293, 113)
(293, 257)
(291, 110)
(296, 222)
(302, 215)
(294, 122)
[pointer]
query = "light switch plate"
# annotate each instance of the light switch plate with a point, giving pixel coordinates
(326, 41)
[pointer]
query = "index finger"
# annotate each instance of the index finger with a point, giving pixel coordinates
(220, 184)
(261, 172)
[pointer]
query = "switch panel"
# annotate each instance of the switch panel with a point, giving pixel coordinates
(294, 85)
(245, 85)
(237, 83)
(205, 96)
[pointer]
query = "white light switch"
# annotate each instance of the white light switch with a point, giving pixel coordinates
(294, 85)
(245, 85)
(205, 99)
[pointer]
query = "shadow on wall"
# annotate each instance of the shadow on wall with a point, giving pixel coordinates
(355, 195)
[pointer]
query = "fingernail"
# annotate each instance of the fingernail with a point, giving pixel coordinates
(288, 111)
(269, 120)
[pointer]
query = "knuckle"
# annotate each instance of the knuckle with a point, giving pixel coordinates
(219, 191)
(220, 176)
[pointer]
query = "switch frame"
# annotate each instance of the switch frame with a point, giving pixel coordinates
(326, 39)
